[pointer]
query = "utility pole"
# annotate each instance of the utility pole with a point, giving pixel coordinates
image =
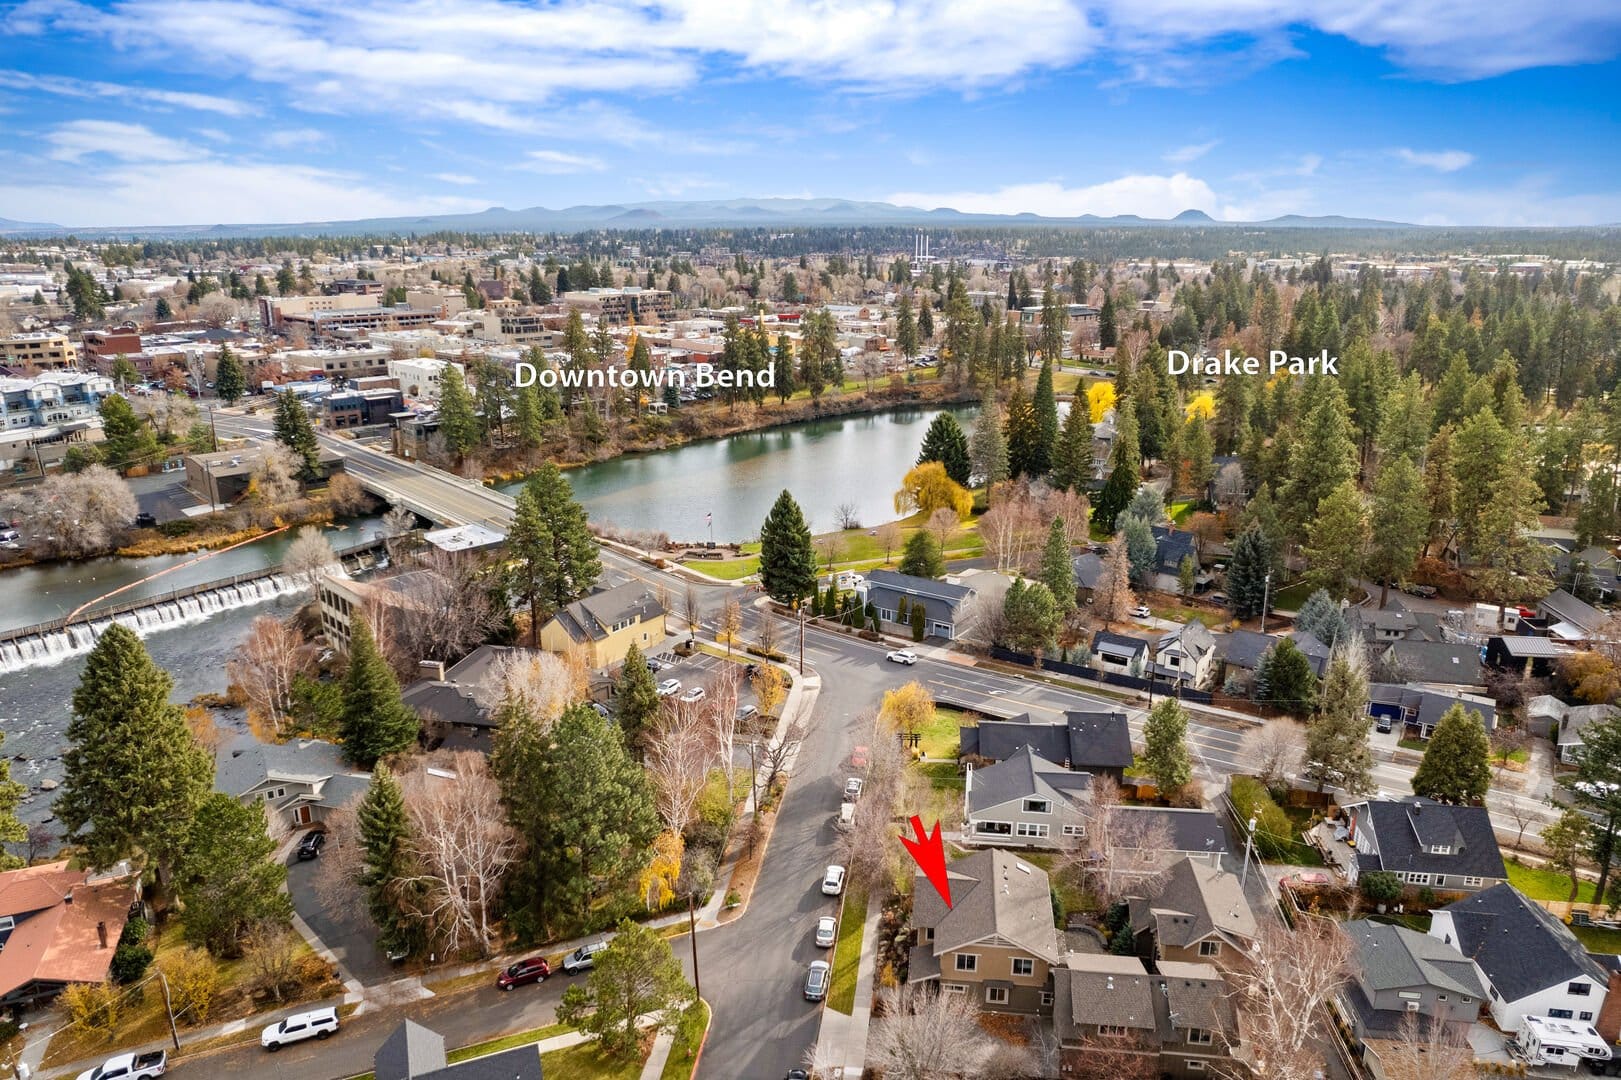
(1266, 599)
(800, 607)
(692, 931)
(168, 1008)
(1249, 844)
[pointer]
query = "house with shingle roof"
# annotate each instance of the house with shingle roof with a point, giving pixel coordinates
(1120, 654)
(1426, 844)
(414, 1052)
(1025, 801)
(1417, 710)
(463, 696)
(300, 782)
(942, 602)
(606, 624)
(1442, 665)
(1187, 655)
(1567, 722)
(1527, 959)
(1181, 1020)
(1095, 742)
(1198, 914)
(59, 927)
(1570, 619)
(1400, 972)
(997, 942)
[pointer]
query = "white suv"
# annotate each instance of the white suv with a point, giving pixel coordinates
(311, 1025)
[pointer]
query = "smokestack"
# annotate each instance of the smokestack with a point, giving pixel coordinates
(432, 669)
(101, 933)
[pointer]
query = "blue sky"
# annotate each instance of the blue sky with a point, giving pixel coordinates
(199, 111)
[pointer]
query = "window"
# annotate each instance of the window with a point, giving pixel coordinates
(1046, 997)
(1037, 806)
(1209, 948)
(967, 962)
(1023, 965)
(7, 922)
(955, 988)
(1440, 997)
(1113, 1031)
(1199, 1037)
(1471, 882)
(1418, 879)
(1195, 1065)
(1030, 829)
(1074, 830)
(1440, 849)
(1579, 989)
(993, 828)
(996, 995)
(1561, 1014)
(1585, 1016)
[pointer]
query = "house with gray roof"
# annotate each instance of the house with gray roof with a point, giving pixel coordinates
(413, 1052)
(1088, 570)
(1094, 742)
(1120, 654)
(1400, 972)
(1180, 1021)
(1527, 959)
(1187, 655)
(1567, 722)
(1025, 801)
(1426, 844)
(1417, 710)
(1198, 914)
(299, 782)
(461, 698)
(1570, 619)
(1444, 665)
(942, 601)
(605, 624)
(996, 942)
(1238, 654)
(1394, 622)
(1532, 657)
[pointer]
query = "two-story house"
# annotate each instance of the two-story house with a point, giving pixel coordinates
(300, 782)
(1025, 801)
(1095, 742)
(891, 593)
(1198, 914)
(1187, 655)
(606, 624)
(1426, 844)
(1527, 959)
(1415, 711)
(1179, 1022)
(996, 942)
(1119, 654)
(1399, 972)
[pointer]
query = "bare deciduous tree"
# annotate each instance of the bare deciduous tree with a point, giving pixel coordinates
(346, 496)
(847, 516)
(1281, 994)
(451, 613)
(768, 635)
(273, 950)
(889, 538)
(1100, 1057)
(782, 746)
(1426, 1050)
(541, 683)
(308, 557)
(266, 663)
(720, 713)
(731, 621)
(73, 515)
(1113, 598)
(871, 844)
(691, 608)
(679, 755)
(927, 1035)
(1273, 751)
(275, 479)
(1123, 852)
(41, 840)
(463, 848)
(397, 526)
(943, 524)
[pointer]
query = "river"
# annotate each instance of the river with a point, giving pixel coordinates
(855, 459)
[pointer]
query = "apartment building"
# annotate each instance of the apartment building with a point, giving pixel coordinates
(420, 377)
(45, 349)
(618, 305)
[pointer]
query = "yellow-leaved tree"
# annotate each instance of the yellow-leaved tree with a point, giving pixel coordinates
(927, 488)
(1201, 404)
(909, 708)
(1099, 400)
(658, 879)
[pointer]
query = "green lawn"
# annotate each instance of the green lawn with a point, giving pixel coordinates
(941, 739)
(1419, 745)
(1546, 884)
(1291, 598)
(678, 1066)
(506, 1042)
(847, 953)
(1597, 939)
(726, 569)
(1181, 510)
(583, 1062)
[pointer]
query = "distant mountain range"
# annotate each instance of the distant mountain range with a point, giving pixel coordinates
(675, 214)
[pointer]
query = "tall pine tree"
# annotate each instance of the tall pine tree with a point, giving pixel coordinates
(386, 862)
(636, 699)
(944, 442)
(134, 774)
(988, 448)
(458, 424)
(293, 430)
(787, 560)
(1057, 571)
(553, 556)
(1457, 763)
(1045, 405)
(1072, 457)
(230, 381)
(375, 722)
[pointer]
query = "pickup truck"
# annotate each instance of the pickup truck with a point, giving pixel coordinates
(130, 1067)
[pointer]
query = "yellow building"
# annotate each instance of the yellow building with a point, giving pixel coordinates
(606, 624)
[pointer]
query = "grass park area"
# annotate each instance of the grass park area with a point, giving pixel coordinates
(585, 1062)
(1540, 884)
(852, 549)
(841, 994)
(941, 739)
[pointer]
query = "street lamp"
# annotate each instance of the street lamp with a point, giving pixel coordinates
(1266, 599)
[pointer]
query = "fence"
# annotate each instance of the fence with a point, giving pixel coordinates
(1092, 674)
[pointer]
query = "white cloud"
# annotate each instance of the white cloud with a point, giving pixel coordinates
(1182, 155)
(298, 139)
(1309, 164)
(1440, 160)
(455, 178)
(85, 89)
(1146, 196)
(79, 139)
(558, 162)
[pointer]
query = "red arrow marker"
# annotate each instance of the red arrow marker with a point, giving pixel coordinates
(929, 852)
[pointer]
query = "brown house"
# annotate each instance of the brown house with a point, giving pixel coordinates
(1199, 915)
(58, 927)
(1111, 1011)
(997, 941)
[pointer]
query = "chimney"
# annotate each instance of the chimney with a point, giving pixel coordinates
(101, 933)
(432, 669)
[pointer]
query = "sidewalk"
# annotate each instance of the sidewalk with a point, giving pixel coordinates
(841, 1044)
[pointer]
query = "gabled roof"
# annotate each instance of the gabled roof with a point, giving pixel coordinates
(408, 1052)
(994, 894)
(1187, 830)
(1197, 996)
(1024, 775)
(1087, 741)
(1103, 989)
(1196, 901)
(1196, 641)
(1426, 707)
(1521, 947)
(1243, 648)
(909, 585)
(591, 618)
(1524, 646)
(1088, 568)
(1437, 662)
(58, 940)
(1571, 610)
(1404, 831)
(243, 763)
(1108, 643)
(1394, 957)
(1171, 547)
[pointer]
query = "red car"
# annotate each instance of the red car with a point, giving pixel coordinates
(533, 970)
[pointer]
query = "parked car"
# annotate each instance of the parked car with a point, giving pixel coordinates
(653, 663)
(750, 670)
(602, 710)
(130, 1067)
(901, 656)
(10, 538)
(847, 817)
(1426, 591)
(300, 1026)
(310, 847)
(1141, 611)
(145, 521)
(816, 980)
(852, 789)
(669, 687)
(747, 713)
(797, 1074)
(584, 958)
(696, 694)
(827, 930)
(858, 758)
(833, 881)
(533, 970)
(1218, 598)
(1384, 725)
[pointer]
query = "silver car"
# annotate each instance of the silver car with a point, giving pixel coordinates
(827, 931)
(816, 980)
